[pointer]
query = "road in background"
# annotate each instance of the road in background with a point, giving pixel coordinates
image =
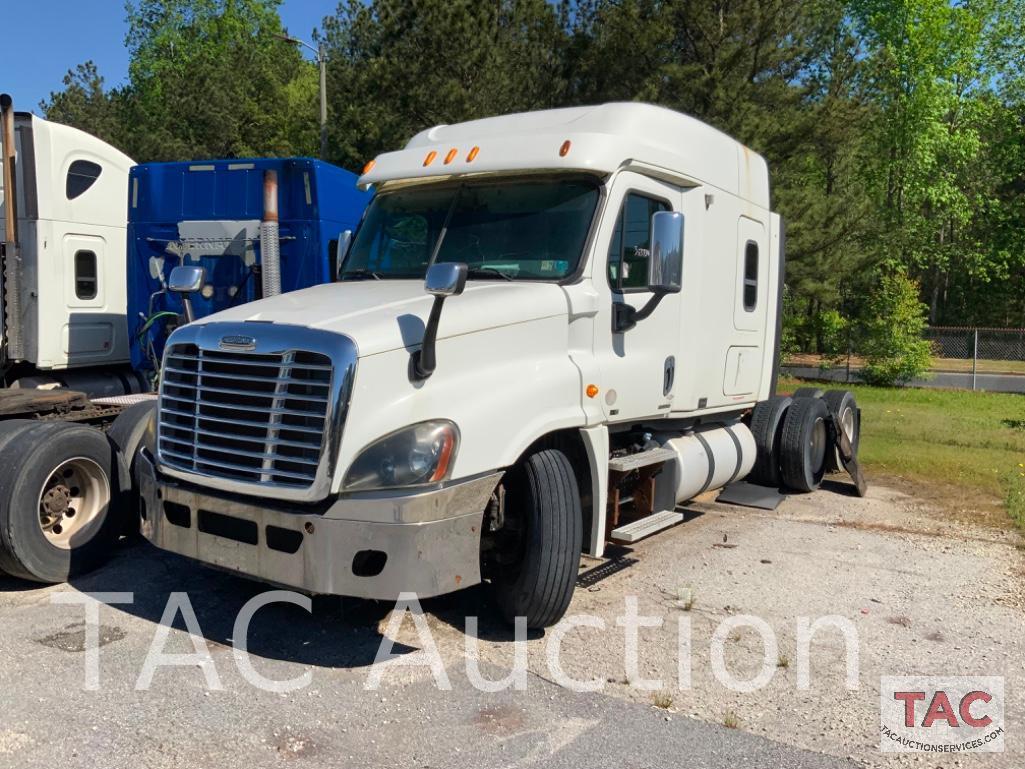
(1000, 383)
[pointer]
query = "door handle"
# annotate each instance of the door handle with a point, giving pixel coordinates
(668, 375)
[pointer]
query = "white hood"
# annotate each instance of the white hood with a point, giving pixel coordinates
(384, 315)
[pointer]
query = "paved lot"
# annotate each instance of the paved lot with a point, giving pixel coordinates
(925, 596)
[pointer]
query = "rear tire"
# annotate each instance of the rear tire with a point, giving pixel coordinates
(841, 403)
(9, 430)
(55, 501)
(804, 444)
(767, 427)
(543, 496)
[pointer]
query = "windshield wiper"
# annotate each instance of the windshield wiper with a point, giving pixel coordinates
(483, 272)
(359, 275)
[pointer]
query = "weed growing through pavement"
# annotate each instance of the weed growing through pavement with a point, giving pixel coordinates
(662, 699)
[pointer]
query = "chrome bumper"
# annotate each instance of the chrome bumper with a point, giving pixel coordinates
(425, 542)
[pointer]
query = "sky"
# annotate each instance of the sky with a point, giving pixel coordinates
(43, 39)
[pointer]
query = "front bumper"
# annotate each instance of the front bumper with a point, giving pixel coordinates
(374, 546)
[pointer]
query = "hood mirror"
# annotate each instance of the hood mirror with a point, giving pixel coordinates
(186, 279)
(443, 280)
(446, 279)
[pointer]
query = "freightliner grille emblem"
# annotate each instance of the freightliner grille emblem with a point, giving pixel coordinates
(237, 342)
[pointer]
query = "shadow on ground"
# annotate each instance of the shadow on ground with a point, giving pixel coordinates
(338, 633)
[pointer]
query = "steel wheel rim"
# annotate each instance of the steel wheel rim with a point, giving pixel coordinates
(847, 423)
(72, 502)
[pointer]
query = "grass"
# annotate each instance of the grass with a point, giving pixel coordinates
(962, 449)
(783, 661)
(730, 720)
(1014, 500)
(663, 700)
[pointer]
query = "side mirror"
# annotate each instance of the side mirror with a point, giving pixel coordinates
(186, 279)
(665, 270)
(446, 279)
(341, 249)
(443, 280)
(665, 267)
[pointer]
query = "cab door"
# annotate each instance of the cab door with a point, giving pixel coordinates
(638, 366)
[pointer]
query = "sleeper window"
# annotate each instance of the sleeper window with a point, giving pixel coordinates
(750, 276)
(81, 176)
(630, 246)
(85, 275)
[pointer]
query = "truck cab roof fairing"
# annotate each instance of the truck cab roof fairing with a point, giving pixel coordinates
(600, 139)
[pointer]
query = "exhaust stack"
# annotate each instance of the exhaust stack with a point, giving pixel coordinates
(270, 242)
(11, 300)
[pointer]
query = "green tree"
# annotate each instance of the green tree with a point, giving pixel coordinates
(396, 67)
(934, 65)
(212, 78)
(85, 104)
(891, 332)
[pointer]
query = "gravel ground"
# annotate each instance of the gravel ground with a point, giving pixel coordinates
(926, 596)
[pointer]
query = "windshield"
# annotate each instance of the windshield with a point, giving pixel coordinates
(512, 230)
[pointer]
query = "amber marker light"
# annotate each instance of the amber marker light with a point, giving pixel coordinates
(592, 390)
(444, 458)
(451, 155)
(472, 154)
(564, 149)
(369, 166)
(430, 158)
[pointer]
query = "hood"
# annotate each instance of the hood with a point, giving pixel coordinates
(384, 315)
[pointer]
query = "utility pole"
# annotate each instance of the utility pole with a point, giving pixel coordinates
(321, 54)
(322, 61)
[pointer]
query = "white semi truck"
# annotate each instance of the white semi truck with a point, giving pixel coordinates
(550, 329)
(62, 317)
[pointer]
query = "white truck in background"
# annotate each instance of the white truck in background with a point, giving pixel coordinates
(597, 342)
(63, 318)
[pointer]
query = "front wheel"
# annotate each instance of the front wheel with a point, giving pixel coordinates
(543, 513)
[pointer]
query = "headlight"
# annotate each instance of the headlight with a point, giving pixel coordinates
(412, 456)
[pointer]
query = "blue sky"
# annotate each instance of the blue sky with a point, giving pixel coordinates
(43, 39)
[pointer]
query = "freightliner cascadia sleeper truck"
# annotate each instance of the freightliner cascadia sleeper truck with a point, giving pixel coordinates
(549, 329)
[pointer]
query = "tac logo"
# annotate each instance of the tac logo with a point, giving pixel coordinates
(958, 714)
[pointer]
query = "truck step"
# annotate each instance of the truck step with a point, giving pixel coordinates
(641, 459)
(639, 529)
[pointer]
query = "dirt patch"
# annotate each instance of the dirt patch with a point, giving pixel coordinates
(501, 720)
(294, 746)
(72, 637)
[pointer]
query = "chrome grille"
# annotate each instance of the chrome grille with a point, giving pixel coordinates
(248, 417)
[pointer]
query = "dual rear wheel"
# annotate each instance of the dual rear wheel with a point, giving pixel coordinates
(796, 438)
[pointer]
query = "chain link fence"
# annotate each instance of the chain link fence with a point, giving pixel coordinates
(977, 350)
(968, 357)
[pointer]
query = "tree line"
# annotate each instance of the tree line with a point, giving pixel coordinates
(894, 129)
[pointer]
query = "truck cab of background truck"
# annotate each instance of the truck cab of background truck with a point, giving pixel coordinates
(307, 440)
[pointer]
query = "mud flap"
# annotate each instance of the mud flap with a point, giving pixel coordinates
(846, 452)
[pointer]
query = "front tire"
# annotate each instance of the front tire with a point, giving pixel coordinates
(55, 501)
(544, 500)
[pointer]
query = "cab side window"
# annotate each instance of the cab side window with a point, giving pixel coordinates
(629, 250)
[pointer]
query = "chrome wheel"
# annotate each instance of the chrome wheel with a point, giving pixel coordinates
(73, 502)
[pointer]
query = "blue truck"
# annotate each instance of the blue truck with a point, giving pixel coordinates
(209, 214)
(247, 228)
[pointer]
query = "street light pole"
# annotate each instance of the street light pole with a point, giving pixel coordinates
(321, 53)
